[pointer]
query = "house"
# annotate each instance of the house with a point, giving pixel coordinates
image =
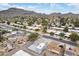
(67, 34)
(72, 51)
(41, 46)
(2, 49)
(54, 47)
(76, 50)
(21, 53)
(21, 40)
(14, 36)
(9, 47)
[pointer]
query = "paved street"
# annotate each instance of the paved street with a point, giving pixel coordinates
(25, 47)
(46, 36)
(64, 41)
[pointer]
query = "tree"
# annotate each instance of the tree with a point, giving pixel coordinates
(61, 35)
(24, 27)
(65, 29)
(31, 21)
(62, 51)
(1, 38)
(62, 21)
(3, 31)
(76, 23)
(33, 36)
(37, 29)
(44, 29)
(14, 29)
(74, 37)
(8, 22)
(51, 33)
(15, 21)
(44, 23)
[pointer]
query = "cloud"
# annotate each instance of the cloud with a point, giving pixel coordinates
(44, 7)
(74, 5)
(4, 4)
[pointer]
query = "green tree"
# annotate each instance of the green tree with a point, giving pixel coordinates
(51, 33)
(62, 51)
(1, 37)
(44, 29)
(65, 29)
(37, 29)
(3, 31)
(8, 22)
(24, 27)
(74, 37)
(61, 35)
(62, 21)
(76, 23)
(31, 21)
(44, 23)
(33, 36)
(14, 29)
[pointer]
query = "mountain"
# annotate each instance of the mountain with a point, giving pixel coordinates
(11, 12)
(65, 15)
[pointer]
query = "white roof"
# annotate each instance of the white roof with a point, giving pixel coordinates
(67, 34)
(57, 32)
(9, 46)
(21, 53)
(57, 28)
(76, 27)
(14, 32)
(41, 45)
(50, 30)
(74, 30)
(32, 27)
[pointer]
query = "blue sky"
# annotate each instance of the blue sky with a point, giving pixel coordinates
(44, 7)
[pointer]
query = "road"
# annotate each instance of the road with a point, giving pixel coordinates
(63, 41)
(25, 47)
(46, 36)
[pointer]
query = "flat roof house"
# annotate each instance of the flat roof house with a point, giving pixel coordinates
(21, 53)
(54, 47)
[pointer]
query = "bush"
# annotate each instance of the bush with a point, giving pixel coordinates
(65, 29)
(15, 29)
(24, 27)
(51, 33)
(61, 34)
(74, 37)
(8, 22)
(33, 36)
(4, 31)
(2, 38)
(37, 29)
(44, 30)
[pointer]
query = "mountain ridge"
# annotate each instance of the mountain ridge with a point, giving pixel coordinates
(11, 12)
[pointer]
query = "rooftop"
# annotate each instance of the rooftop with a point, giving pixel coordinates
(21, 53)
(54, 47)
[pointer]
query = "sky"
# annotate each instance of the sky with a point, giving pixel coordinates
(44, 7)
